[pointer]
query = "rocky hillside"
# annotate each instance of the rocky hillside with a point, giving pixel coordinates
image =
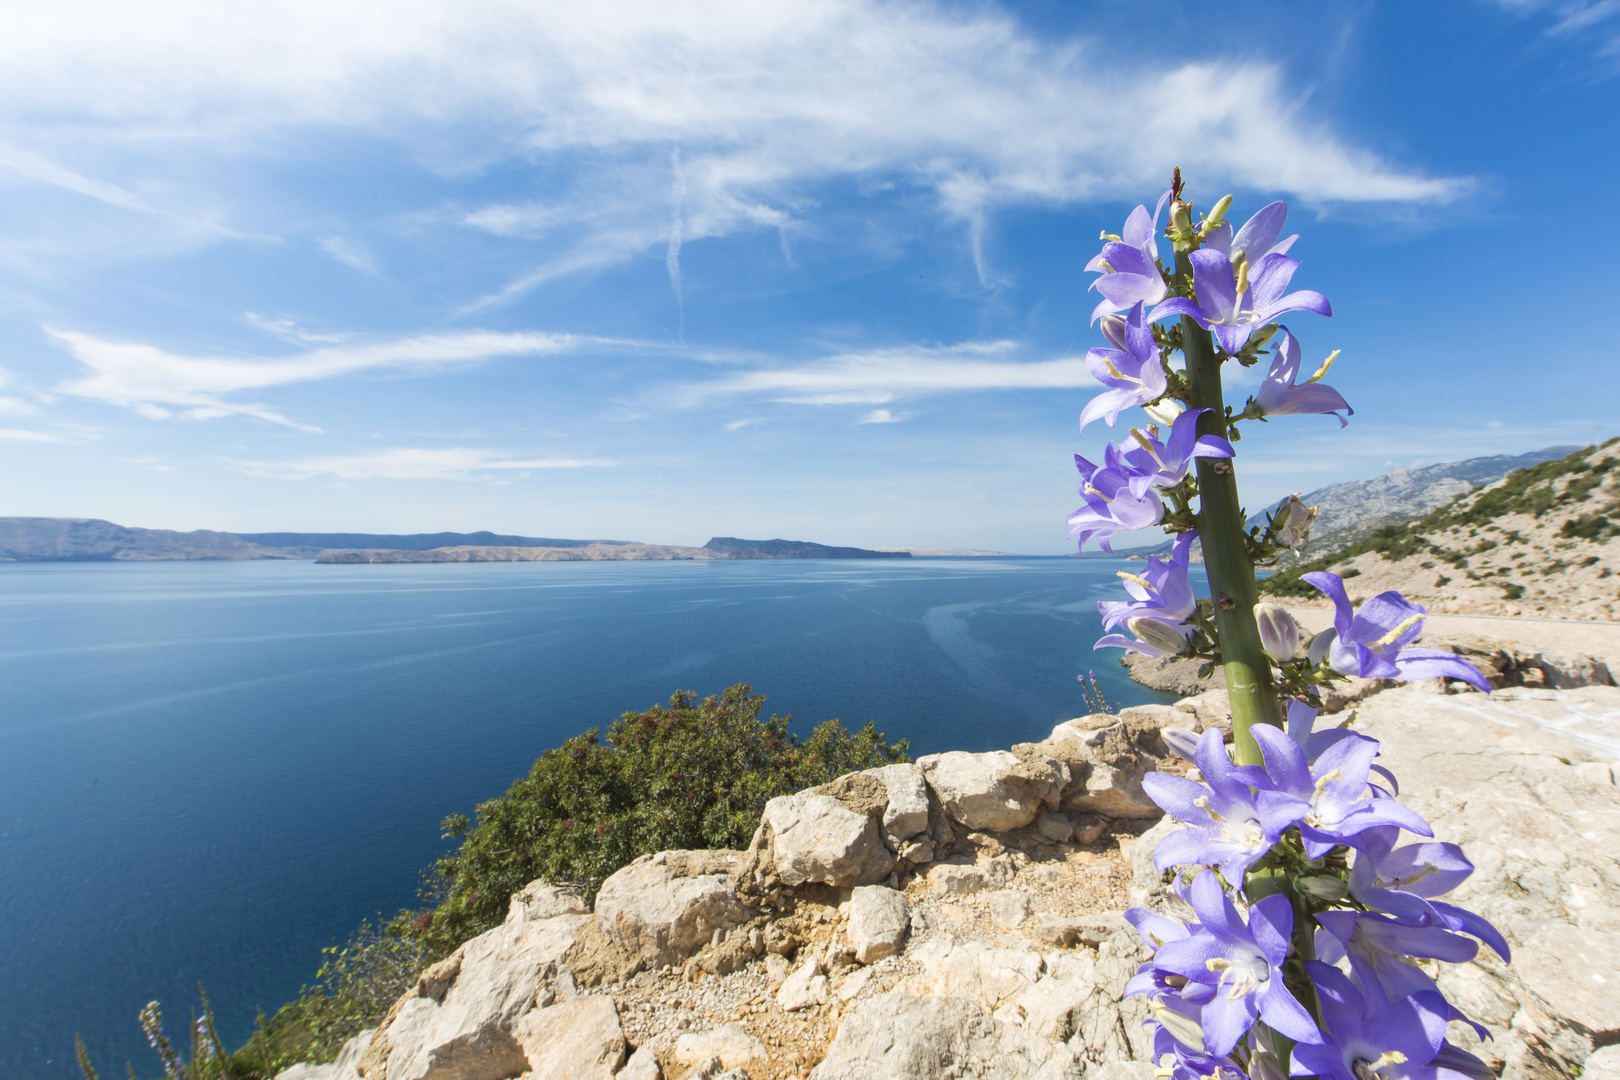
(1541, 542)
(25, 539)
(961, 916)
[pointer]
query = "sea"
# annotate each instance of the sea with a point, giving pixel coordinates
(209, 771)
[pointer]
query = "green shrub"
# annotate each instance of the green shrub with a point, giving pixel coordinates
(688, 775)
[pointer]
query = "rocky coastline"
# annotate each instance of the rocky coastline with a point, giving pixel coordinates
(961, 916)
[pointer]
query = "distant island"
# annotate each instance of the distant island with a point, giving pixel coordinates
(35, 539)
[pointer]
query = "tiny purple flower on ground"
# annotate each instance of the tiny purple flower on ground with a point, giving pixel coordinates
(1372, 1038)
(1166, 461)
(1234, 303)
(1163, 602)
(1129, 264)
(1132, 373)
(1232, 823)
(1280, 397)
(1371, 643)
(1242, 963)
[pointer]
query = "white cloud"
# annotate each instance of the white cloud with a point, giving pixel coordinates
(158, 384)
(410, 463)
(878, 376)
(23, 435)
(882, 416)
(350, 253)
(764, 101)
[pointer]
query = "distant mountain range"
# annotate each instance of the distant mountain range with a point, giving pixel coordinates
(27, 539)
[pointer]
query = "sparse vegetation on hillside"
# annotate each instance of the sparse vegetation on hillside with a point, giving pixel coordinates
(1567, 502)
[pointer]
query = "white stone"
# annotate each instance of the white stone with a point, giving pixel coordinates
(907, 812)
(655, 913)
(1008, 907)
(729, 1042)
(541, 900)
(963, 879)
(470, 1032)
(1595, 772)
(878, 920)
(899, 1037)
(578, 1039)
(993, 791)
(817, 838)
(643, 1065)
(807, 986)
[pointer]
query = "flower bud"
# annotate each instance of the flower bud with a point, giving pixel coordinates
(1295, 520)
(1217, 213)
(1327, 888)
(1164, 636)
(1113, 328)
(1164, 411)
(1263, 1065)
(1322, 646)
(1183, 1028)
(1279, 633)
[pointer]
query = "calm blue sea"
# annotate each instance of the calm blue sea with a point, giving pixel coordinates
(208, 771)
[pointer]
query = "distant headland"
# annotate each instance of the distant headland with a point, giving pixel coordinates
(39, 539)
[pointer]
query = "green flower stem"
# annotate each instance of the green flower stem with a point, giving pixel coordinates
(1226, 560)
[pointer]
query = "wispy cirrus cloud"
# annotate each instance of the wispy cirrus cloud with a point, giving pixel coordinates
(765, 103)
(878, 376)
(157, 383)
(413, 463)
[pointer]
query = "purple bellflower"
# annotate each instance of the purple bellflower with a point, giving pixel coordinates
(1232, 823)
(1241, 962)
(1371, 643)
(1129, 264)
(1163, 601)
(1333, 787)
(1280, 397)
(1236, 303)
(1166, 461)
(1370, 1038)
(1116, 500)
(1379, 947)
(1132, 372)
(1257, 238)
(1404, 881)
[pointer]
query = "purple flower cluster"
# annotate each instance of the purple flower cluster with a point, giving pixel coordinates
(1119, 495)
(1314, 812)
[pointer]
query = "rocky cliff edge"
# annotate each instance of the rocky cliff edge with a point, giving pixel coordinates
(961, 916)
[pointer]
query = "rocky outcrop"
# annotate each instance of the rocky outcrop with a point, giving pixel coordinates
(663, 907)
(965, 913)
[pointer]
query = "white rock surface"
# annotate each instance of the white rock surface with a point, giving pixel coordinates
(643, 1065)
(1008, 907)
(729, 1042)
(906, 815)
(807, 986)
(817, 838)
(879, 918)
(900, 1037)
(470, 1033)
(1107, 757)
(655, 911)
(542, 900)
(962, 878)
(577, 1039)
(994, 791)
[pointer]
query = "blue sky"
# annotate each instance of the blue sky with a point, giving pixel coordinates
(661, 271)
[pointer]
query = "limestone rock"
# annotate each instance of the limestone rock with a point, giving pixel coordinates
(643, 1065)
(729, 1042)
(658, 909)
(1063, 931)
(470, 1034)
(542, 900)
(1054, 827)
(1146, 879)
(900, 1037)
(807, 986)
(815, 837)
(578, 1039)
(961, 878)
(994, 791)
(344, 1067)
(906, 812)
(1107, 756)
(975, 971)
(878, 920)
(1008, 907)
